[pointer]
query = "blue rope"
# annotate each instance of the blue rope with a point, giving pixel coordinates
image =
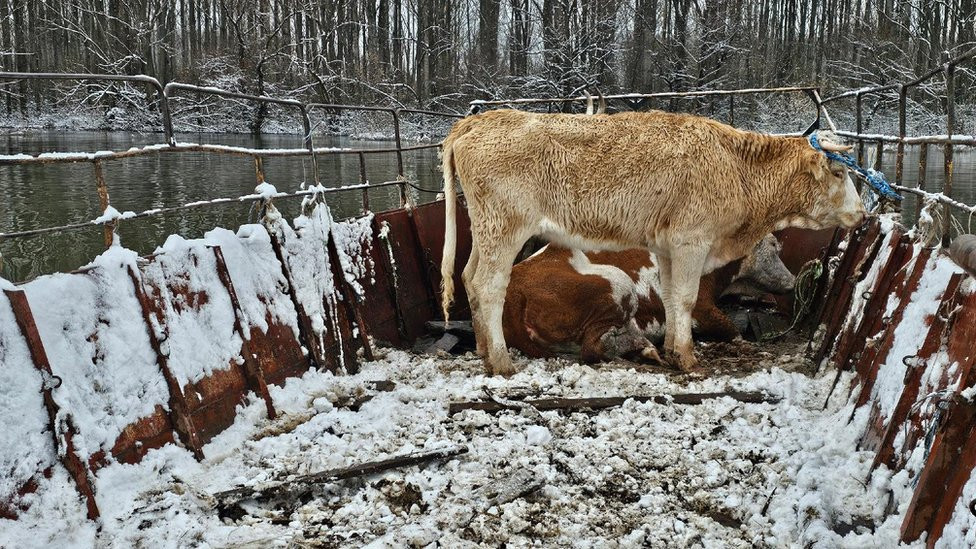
(874, 178)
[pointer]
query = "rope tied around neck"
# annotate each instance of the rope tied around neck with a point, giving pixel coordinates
(875, 179)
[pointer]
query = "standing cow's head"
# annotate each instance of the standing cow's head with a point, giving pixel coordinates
(835, 199)
(832, 200)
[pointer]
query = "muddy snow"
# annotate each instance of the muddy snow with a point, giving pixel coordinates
(720, 474)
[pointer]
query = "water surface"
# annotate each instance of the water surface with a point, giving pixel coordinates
(57, 194)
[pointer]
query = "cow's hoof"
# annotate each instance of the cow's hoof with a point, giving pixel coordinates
(500, 364)
(650, 354)
(685, 363)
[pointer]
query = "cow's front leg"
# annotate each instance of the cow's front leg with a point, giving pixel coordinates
(687, 263)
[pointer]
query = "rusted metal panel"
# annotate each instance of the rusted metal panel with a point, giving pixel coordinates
(179, 413)
(934, 340)
(137, 439)
(860, 252)
(348, 315)
(252, 367)
(952, 456)
(893, 281)
(306, 334)
(211, 402)
(381, 313)
(278, 352)
(412, 294)
(430, 229)
(63, 439)
(852, 341)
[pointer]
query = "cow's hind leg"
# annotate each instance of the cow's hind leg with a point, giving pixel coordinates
(687, 263)
(491, 284)
(467, 276)
(664, 272)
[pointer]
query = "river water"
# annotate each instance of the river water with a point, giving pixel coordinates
(56, 194)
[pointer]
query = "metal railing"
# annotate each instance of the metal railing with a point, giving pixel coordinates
(164, 94)
(948, 141)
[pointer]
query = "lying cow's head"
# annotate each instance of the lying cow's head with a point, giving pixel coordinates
(835, 199)
(762, 271)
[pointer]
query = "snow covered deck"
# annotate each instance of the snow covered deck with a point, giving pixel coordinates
(719, 474)
(135, 390)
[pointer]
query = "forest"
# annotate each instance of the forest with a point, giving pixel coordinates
(443, 53)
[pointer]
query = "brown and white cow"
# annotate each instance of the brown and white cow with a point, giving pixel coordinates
(608, 303)
(696, 192)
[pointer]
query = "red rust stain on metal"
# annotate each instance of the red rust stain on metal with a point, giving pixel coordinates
(934, 340)
(278, 352)
(411, 293)
(860, 252)
(867, 367)
(953, 456)
(149, 432)
(853, 340)
(380, 314)
(69, 457)
(212, 401)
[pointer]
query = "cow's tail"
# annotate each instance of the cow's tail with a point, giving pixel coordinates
(450, 230)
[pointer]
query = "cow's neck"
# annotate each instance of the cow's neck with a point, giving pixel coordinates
(777, 186)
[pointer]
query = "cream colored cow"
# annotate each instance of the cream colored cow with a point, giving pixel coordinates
(696, 192)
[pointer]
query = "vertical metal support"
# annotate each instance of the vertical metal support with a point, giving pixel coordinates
(877, 157)
(923, 164)
(950, 76)
(179, 413)
(732, 110)
(399, 142)
(307, 140)
(399, 154)
(252, 368)
(103, 202)
(164, 113)
(860, 127)
(902, 128)
(61, 425)
(259, 169)
(363, 181)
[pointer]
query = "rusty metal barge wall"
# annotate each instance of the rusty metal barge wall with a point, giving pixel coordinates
(258, 306)
(900, 321)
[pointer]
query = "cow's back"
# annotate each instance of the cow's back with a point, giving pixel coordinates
(613, 180)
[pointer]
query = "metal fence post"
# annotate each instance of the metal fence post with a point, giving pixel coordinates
(363, 181)
(859, 126)
(950, 77)
(902, 128)
(103, 202)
